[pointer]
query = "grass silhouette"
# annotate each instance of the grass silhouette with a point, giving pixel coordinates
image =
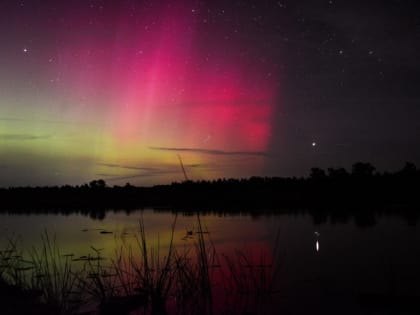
(138, 277)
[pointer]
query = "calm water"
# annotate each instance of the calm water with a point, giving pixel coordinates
(326, 268)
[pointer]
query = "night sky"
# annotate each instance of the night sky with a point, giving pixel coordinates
(120, 90)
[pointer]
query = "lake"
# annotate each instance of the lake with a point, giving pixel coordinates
(318, 268)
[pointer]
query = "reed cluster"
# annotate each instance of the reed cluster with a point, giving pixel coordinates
(137, 279)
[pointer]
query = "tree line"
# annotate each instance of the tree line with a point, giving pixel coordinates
(334, 190)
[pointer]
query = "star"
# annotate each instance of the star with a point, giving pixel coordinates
(314, 144)
(25, 50)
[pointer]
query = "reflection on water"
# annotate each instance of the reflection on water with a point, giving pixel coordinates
(356, 268)
(317, 241)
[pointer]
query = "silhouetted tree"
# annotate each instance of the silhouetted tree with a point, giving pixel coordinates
(361, 169)
(363, 187)
(409, 170)
(100, 183)
(339, 173)
(317, 173)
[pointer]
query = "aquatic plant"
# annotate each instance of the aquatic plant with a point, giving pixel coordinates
(55, 276)
(141, 277)
(43, 282)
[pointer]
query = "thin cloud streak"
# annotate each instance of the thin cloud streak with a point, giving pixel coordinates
(211, 152)
(39, 120)
(110, 165)
(106, 175)
(21, 137)
(149, 174)
(147, 171)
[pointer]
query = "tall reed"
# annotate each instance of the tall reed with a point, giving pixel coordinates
(54, 275)
(147, 279)
(45, 282)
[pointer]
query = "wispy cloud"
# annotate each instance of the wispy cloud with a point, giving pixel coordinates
(145, 171)
(211, 152)
(11, 119)
(22, 137)
(106, 175)
(38, 120)
(128, 167)
(196, 165)
(146, 174)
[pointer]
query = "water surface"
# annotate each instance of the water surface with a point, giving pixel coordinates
(324, 268)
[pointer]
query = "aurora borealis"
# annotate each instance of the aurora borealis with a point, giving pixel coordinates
(118, 89)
